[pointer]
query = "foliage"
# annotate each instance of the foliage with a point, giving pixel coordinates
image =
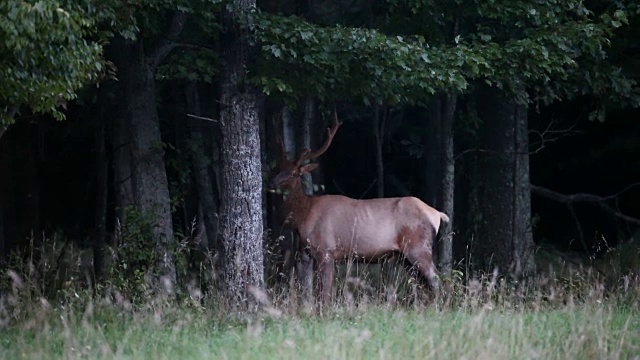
(363, 64)
(132, 264)
(53, 48)
(548, 49)
(46, 55)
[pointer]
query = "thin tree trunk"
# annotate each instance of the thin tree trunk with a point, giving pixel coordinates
(433, 151)
(445, 249)
(289, 132)
(305, 264)
(290, 240)
(102, 167)
(307, 120)
(523, 246)
(241, 205)
(262, 118)
(207, 197)
(378, 132)
(506, 239)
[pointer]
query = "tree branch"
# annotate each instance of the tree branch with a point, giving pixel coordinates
(584, 197)
(550, 135)
(169, 43)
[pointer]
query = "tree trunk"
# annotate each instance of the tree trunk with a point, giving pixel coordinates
(207, 197)
(307, 121)
(379, 121)
(506, 239)
(121, 140)
(432, 156)
(123, 188)
(305, 263)
(102, 167)
(150, 185)
(445, 249)
(241, 203)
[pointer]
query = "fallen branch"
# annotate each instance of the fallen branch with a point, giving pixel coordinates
(589, 198)
(201, 118)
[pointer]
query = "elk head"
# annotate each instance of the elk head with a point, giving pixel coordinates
(291, 171)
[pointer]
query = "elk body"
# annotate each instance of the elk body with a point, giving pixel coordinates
(334, 227)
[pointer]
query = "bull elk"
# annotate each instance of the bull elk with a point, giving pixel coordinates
(334, 227)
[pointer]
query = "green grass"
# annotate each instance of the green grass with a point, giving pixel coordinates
(572, 332)
(568, 315)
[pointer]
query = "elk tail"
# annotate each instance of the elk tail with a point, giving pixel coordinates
(444, 217)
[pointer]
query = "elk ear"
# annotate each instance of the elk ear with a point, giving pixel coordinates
(308, 168)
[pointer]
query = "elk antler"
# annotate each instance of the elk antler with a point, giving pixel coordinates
(307, 154)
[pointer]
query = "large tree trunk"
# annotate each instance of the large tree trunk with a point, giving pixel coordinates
(120, 138)
(506, 239)
(241, 203)
(446, 203)
(150, 185)
(122, 178)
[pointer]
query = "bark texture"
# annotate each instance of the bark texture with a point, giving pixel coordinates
(506, 240)
(447, 187)
(207, 196)
(305, 262)
(241, 201)
(433, 153)
(149, 177)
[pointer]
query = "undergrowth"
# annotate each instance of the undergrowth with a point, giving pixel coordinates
(377, 312)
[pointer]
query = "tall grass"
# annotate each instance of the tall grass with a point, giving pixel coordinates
(376, 314)
(603, 331)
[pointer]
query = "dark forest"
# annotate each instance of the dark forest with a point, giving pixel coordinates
(141, 138)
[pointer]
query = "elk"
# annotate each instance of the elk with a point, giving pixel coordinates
(335, 228)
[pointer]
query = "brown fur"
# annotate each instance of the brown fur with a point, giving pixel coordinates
(335, 228)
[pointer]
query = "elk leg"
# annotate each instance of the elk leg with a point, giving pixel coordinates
(422, 260)
(325, 267)
(305, 274)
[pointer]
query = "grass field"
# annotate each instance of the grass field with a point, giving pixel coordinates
(564, 315)
(602, 329)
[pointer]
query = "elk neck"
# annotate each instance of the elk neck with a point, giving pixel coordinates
(297, 204)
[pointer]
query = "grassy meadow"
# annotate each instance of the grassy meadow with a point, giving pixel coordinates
(589, 332)
(559, 316)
